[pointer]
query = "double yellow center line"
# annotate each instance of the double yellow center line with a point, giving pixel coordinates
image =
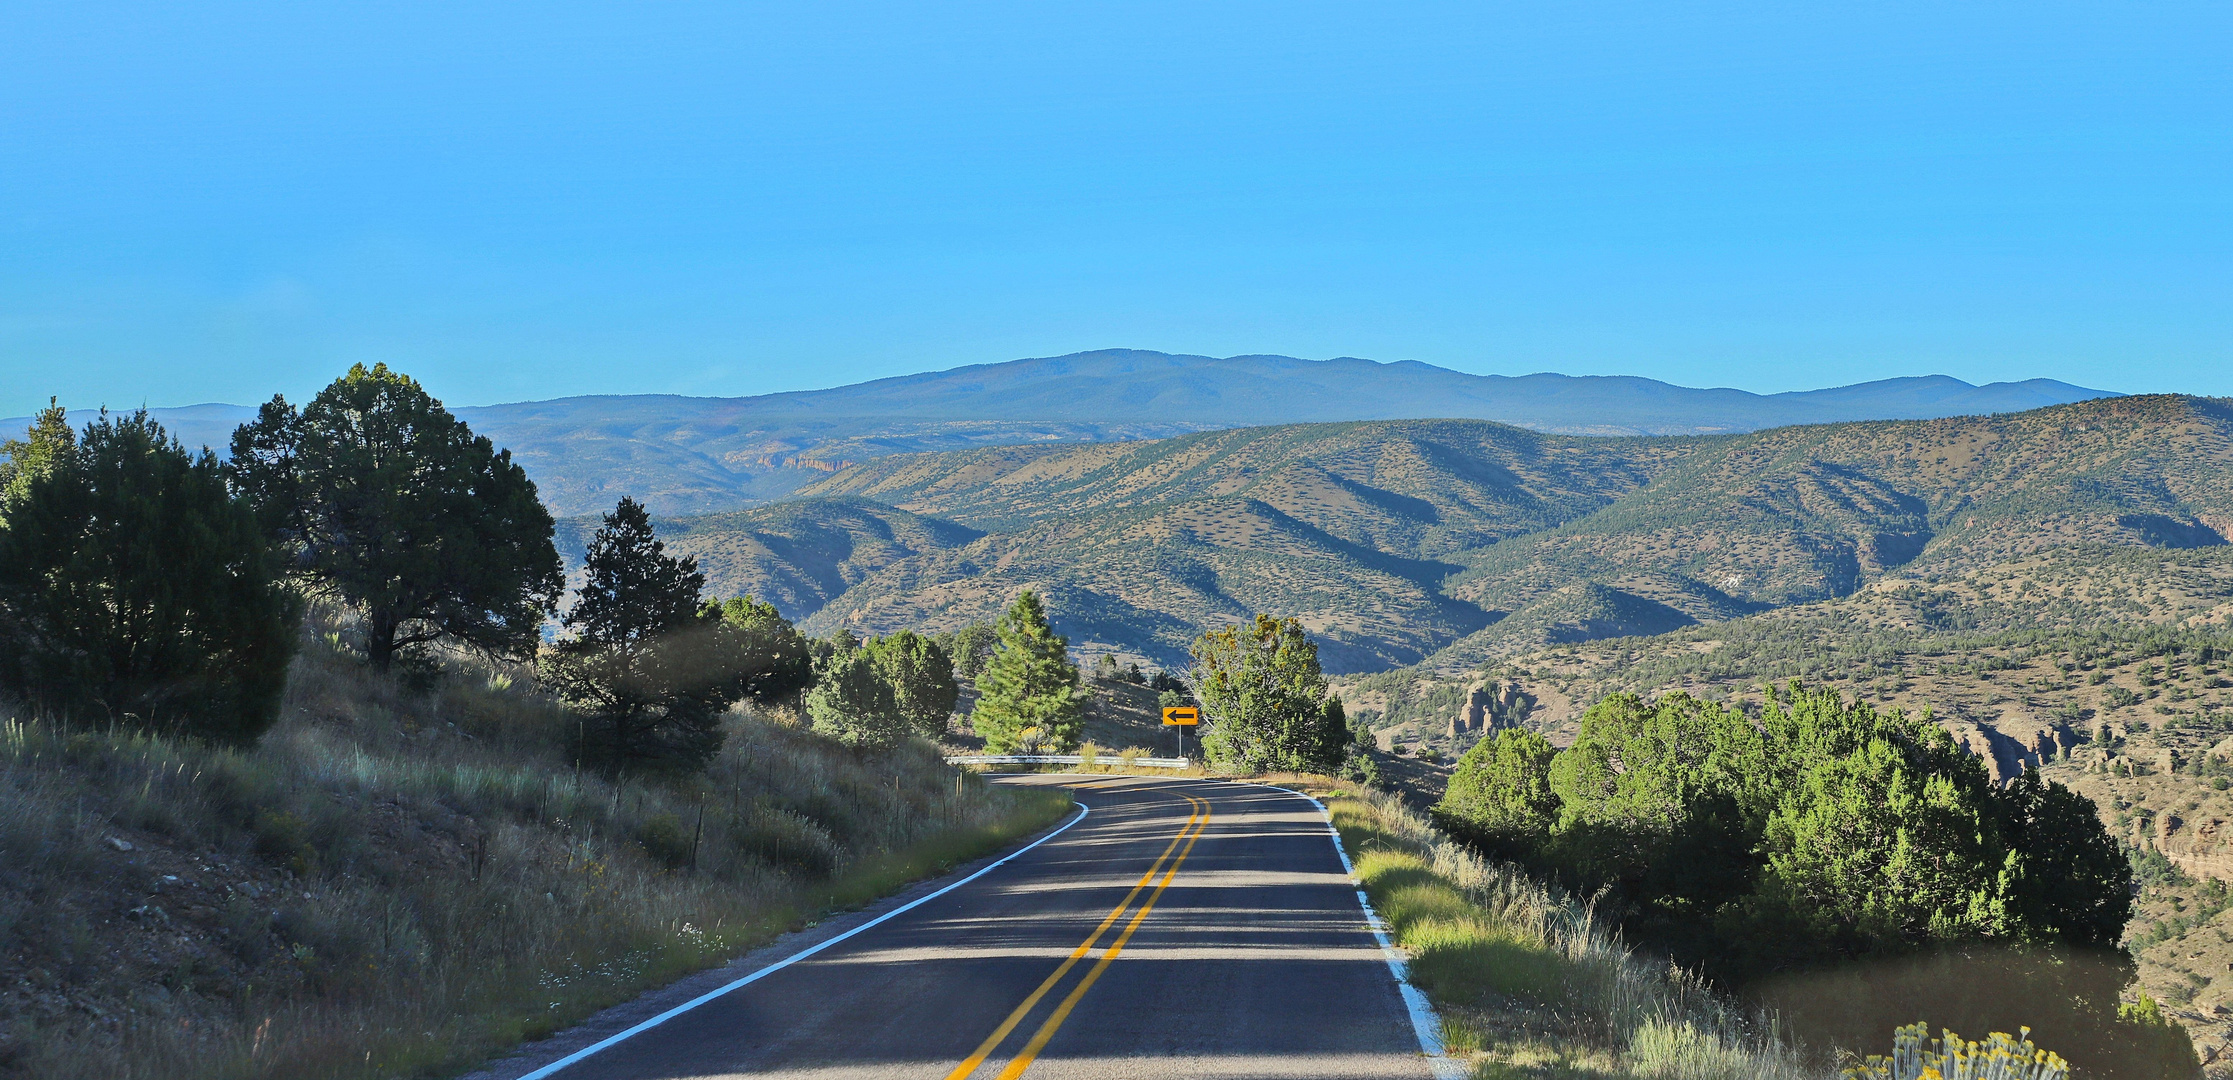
(1183, 845)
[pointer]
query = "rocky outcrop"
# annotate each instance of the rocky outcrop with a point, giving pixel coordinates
(2201, 847)
(2013, 743)
(1490, 706)
(794, 461)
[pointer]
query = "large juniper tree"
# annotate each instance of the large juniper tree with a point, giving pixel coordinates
(378, 495)
(778, 660)
(852, 702)
(134, 588)
(1028, 690)
(649, 665)
(1264, 700)
(921, 675)
(1499, 798)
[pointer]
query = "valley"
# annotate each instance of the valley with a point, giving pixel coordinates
(1454, 543)
(2052, 586)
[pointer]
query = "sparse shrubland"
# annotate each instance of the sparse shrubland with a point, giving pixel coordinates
(394, 882)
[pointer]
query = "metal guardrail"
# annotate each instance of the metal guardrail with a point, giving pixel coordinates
(1066, 759)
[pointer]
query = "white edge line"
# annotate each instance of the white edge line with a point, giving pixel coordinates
(802, 954)
(1425, 1023)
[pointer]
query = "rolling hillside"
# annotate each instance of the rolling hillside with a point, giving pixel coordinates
(1459, 542)
(1801, 514)
(796, 555)
(1421, 488)
(698, 455)
(1144, 582)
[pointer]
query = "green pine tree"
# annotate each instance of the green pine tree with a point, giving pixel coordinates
(651, 667)
(49, 443)
(135, 589)
(779, 661)
(386, 500)
(1028, 691)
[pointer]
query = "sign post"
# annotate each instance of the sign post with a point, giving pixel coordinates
(1182, 718)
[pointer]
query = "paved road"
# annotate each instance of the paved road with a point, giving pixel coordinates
(1181, 929)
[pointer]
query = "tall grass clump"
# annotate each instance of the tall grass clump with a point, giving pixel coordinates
(410, 872)
(1528, 980)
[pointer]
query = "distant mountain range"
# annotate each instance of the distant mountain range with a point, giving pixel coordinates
(1242, 391)
(699, 455)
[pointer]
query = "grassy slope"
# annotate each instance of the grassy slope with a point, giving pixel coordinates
(394, 883)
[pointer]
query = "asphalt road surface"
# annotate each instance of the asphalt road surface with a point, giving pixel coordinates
(1182, 928)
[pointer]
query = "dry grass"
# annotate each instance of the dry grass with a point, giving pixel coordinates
(1101, 759)
(1528, 982)
(397, 883)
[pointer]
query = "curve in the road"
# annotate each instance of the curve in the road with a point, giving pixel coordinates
(1172, 928)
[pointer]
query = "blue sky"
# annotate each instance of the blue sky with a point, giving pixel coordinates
(218, 201)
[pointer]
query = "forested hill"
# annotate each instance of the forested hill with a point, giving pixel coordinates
(1142, 386)
(1457, 542)
(681, 455)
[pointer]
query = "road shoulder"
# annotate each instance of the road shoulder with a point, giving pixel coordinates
(528, 1057)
